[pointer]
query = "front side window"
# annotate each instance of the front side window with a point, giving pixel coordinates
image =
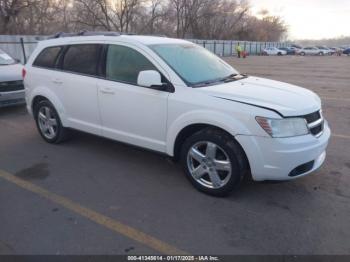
(82, 59)
(124, 64)
(47, 57)
(194, 64)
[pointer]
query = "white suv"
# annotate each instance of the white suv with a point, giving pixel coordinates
(177, 98)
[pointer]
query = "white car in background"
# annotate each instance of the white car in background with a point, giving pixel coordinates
(177, 98)
(11, 84)
(274, 51)
(311, 50)
(326, 50)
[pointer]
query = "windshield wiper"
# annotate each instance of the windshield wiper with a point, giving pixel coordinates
(206, 83)
(230, 78)
(233, 77)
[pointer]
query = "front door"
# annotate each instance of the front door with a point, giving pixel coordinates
(131, 113)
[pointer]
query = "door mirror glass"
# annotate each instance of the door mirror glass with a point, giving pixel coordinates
(149, 78)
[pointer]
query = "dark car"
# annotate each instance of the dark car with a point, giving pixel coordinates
(346, 51)
(289, 50)
(296, 46)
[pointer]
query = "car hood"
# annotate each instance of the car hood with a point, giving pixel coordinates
(10, 72)
(286, 99)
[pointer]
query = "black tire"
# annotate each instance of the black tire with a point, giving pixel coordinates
(238, 162)
(302, 53)
(321, 53)
(61, 134)
(279, 53)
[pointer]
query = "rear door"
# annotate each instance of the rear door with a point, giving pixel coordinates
(77, 78)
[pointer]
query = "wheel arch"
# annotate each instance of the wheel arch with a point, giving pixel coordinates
(36, 100)
(45, 94)
(193, 121)
(194, 128)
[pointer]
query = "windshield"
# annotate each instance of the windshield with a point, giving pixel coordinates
(194, 64)
(5, 59)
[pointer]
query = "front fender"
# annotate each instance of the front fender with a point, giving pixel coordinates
(213, 118)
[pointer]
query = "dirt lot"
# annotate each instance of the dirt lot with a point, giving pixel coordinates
(94, 196)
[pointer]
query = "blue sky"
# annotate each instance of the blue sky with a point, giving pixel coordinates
(310, 19)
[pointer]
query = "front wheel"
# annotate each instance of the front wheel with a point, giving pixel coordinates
(213, 162)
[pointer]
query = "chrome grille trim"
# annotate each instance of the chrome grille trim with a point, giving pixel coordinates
(316, 125)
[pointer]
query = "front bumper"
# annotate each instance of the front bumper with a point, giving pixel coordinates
(277, 158)
(12, 98)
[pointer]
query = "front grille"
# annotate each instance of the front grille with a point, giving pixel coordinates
(11, 86)
(315, 123)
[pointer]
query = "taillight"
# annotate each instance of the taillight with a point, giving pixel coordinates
(24, 72)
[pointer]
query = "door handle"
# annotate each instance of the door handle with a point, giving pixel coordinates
(107, 90)
(57, 81)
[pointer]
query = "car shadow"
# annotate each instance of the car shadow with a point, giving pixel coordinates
(13, 110)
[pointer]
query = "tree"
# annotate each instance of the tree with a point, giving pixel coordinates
(203, 19)
(9, 12)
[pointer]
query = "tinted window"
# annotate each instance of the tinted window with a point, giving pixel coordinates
(47, 57)
(82, 59)
(124, 64)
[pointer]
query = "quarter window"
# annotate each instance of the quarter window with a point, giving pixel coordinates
(124, 64)
(47, 58)
(82, 59)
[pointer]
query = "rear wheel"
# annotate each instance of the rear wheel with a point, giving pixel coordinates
(213, 162)
(302, 53)
(48, 123)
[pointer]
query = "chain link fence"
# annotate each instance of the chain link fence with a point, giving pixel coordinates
(21, 47)
(228, 47)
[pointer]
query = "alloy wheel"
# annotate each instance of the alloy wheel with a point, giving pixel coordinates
(47, 122)
(209, 165)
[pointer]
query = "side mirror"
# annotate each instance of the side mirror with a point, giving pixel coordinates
(150, 78)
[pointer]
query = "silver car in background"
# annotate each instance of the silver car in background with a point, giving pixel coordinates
(11, 84)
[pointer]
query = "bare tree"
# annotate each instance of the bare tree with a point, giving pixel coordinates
(150, 15)
(9, 12)
(205, 19)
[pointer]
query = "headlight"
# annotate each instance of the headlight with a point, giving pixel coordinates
(286, 127)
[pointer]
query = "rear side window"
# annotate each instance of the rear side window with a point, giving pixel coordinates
(124, 64)
(82, 59)
(47, 58)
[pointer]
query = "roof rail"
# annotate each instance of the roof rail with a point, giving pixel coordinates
(95, 33)
(85, 33)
